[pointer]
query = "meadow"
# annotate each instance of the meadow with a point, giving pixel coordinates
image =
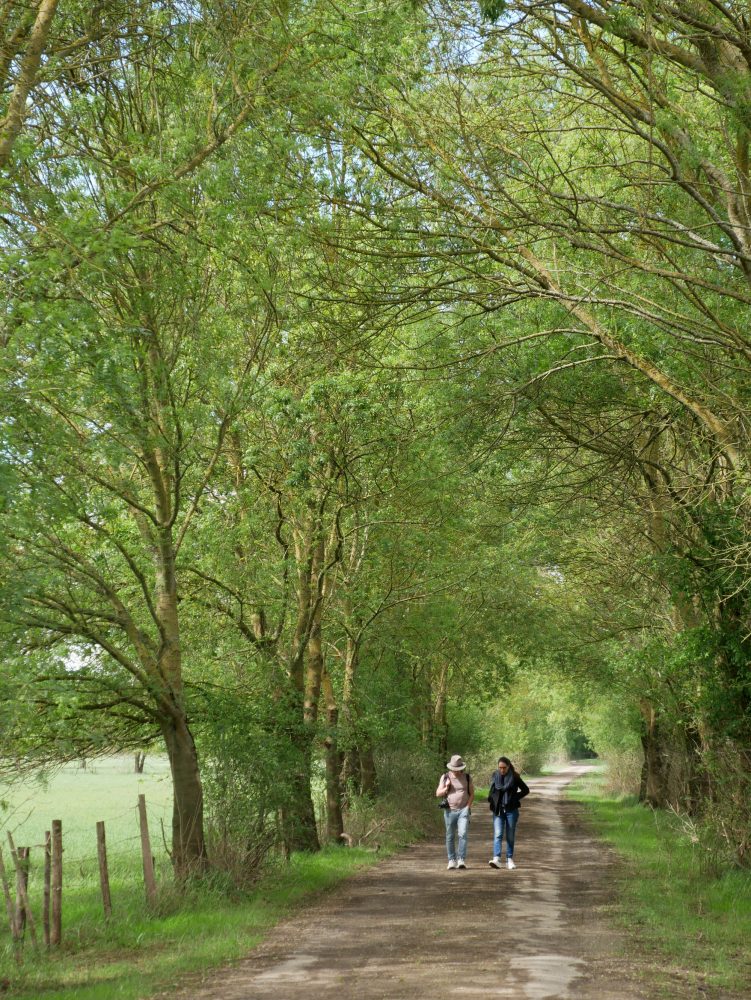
(105, 789)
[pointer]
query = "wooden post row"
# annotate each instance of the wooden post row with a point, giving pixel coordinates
(149, 877)
(104, 878)
(56, 930)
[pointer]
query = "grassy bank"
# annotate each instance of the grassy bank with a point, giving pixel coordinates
(691, 920)
(138, 952)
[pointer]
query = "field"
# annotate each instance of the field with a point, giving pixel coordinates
(105, 790)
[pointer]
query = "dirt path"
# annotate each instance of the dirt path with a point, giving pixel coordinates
(407, 928)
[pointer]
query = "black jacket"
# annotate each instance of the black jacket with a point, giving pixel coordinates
(516, 794)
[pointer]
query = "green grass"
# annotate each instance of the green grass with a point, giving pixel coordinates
(689, 920)
(138, 952)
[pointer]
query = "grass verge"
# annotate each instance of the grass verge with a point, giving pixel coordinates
(689, 920)
(139, 954)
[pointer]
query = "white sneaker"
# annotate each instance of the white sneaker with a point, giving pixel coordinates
(460, 863)
(450, 865)
(510, 864)
(495, 862)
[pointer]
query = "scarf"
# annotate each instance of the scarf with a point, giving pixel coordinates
(505, 783)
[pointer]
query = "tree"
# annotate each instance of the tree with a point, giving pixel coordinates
(119, 402)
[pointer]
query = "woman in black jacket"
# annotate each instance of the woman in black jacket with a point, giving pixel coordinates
(506, 792)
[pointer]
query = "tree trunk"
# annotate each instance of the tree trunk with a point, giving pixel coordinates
(314, 670)
(368, 774)
(334, 819)
(299, 821)
(653, 776)
(351, 656)
(298, 815)
(189, 855)
(689, 787)
(17, 109)
(299, 818)
(440, 722)
(358, 762)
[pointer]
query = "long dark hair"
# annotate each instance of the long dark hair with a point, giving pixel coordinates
(507, 762)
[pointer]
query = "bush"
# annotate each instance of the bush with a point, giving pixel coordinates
(725, 821)
(247, 755)
(623, 773)
(406, 806)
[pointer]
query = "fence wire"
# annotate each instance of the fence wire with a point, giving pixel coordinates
(81, 867)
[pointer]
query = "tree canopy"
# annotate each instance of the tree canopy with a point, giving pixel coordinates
(375, 382)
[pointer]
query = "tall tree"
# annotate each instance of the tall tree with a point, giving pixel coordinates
(120, 402)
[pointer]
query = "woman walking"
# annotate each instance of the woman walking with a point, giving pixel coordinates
(458, 791)
(506, 792)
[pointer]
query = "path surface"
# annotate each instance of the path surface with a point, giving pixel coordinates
(408, 928)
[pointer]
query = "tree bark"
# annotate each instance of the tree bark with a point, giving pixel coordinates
(334, 818)
(358, 762)
(11, 125)
(351, 655)
(440, 722)
(368, 773)
(189, 855)
(299, 821)
(299, 818)
(314, 669)
(653, 788)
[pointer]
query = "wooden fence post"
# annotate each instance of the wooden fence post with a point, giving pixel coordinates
(21, 860)
(8, 902)
(149, 877)
(46, 896)
(56, 931)
(104, 878)
(23, 910)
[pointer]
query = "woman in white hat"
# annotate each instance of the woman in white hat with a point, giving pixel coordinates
(456, 788)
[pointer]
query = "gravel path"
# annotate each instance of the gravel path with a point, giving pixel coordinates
(408, 928)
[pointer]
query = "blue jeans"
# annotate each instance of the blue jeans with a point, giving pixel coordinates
(457, 821)
(506, 821)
